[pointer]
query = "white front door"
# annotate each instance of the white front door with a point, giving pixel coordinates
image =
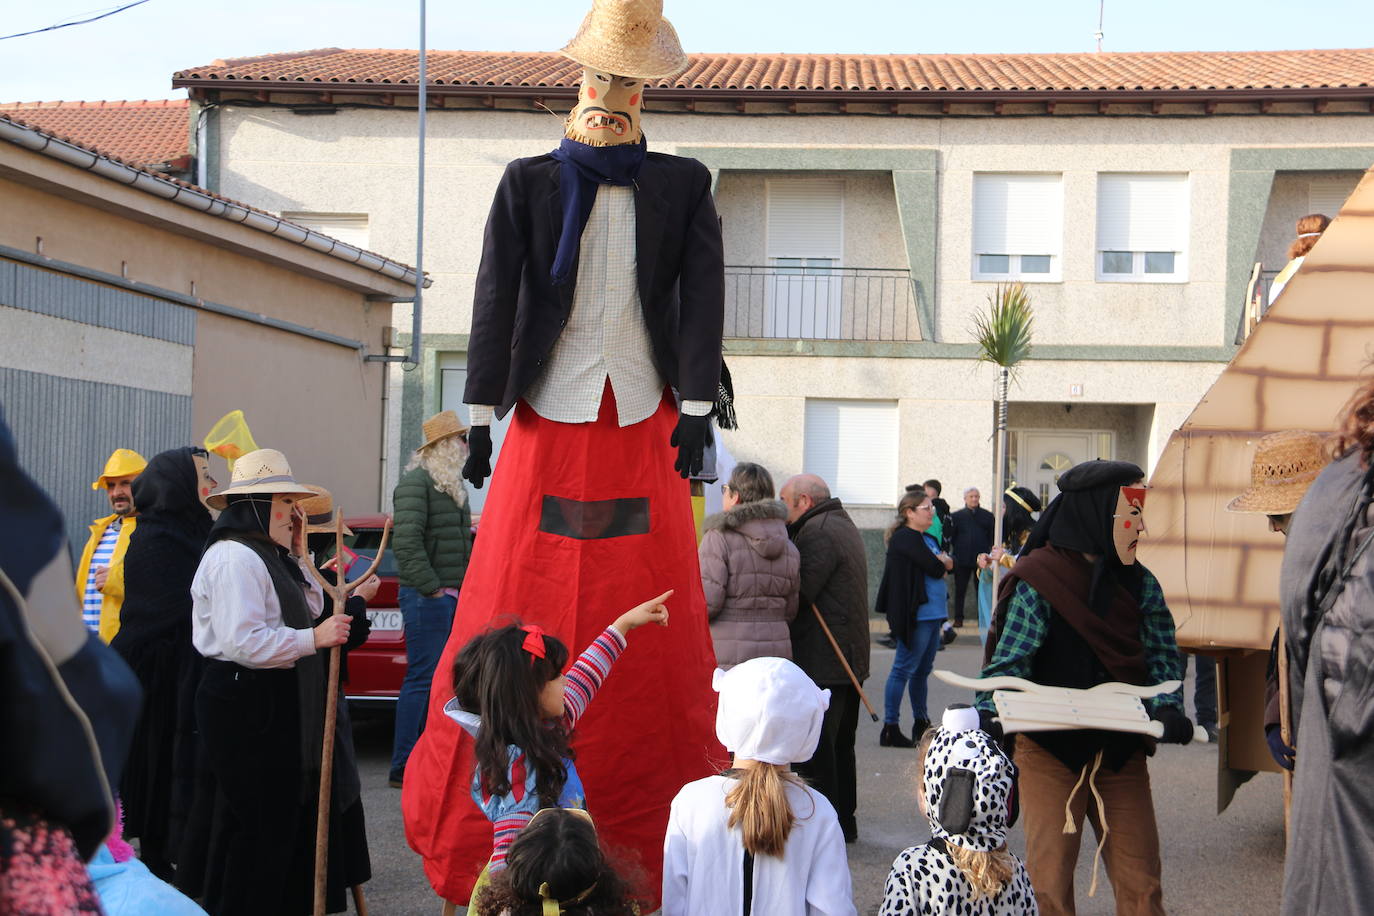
(1044, 455)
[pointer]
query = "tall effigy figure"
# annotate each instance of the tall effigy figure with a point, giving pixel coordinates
(598, 305)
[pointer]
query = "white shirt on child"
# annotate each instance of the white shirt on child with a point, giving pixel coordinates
(703, 859)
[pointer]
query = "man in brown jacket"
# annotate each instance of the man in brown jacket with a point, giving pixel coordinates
(834, 578)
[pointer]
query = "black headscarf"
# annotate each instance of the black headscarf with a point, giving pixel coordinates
(1080, 519)
(167, 494)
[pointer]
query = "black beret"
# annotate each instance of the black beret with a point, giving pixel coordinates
(1091, 475)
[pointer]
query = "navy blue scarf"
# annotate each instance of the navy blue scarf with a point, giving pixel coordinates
(585, 167)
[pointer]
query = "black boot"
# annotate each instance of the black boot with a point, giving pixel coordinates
(918, 729)
(891, 736)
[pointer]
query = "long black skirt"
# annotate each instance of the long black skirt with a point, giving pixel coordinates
(250, 845)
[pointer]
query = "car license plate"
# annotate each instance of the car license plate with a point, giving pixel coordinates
(385, 620)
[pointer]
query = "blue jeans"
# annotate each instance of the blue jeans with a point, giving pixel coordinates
(427, 622)
(911, 667)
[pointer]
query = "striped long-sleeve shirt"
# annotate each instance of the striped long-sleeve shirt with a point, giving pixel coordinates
(509, 813)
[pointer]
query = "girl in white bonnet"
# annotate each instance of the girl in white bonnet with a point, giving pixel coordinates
(756, 840)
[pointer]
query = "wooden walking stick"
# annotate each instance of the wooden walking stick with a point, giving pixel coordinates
(338, 591)
(843, 661)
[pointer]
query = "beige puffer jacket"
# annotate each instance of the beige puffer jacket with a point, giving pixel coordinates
(750, 572)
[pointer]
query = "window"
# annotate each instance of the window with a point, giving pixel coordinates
(805, 240)
(1327, 195)
(852, 446)
(453, 378)
(1142, 227)
(1017, 226)
(349, 228)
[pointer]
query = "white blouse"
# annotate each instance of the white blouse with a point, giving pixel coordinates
(235, 614)
(703, 859)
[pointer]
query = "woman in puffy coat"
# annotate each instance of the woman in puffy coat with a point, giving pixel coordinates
(750, 570)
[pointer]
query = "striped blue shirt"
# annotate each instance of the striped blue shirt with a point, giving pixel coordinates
(90, 605)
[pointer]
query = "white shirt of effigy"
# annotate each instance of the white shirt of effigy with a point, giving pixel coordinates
(235, 614)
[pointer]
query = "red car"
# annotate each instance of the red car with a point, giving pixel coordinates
(376, 668)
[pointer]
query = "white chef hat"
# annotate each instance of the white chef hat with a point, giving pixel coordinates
(769, 711)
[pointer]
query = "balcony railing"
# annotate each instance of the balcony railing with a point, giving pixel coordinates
(820, 303)
(1256, 303)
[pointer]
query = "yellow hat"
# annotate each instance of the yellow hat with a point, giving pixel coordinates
(124, 462)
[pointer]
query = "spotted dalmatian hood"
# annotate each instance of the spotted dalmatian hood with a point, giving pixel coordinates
(969, 783)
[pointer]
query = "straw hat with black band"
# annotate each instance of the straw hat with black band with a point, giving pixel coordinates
(628, 38)
(262, 472)
(1284, 466)
(319, 512)
(441, 426)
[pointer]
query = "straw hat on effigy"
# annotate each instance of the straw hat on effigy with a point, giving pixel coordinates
(1284, 467)
(441, 426)
(628, 38)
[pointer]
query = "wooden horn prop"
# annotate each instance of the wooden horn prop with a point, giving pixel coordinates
(338, 590)
(843, 661)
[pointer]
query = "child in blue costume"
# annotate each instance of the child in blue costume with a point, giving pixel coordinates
(510, 694)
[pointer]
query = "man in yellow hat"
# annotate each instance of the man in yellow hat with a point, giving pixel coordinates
(100, 574)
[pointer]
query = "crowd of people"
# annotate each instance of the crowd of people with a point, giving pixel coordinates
(221, 626)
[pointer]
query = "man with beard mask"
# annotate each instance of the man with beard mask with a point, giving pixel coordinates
(1077, 610)
(600, 294)
(260, 704)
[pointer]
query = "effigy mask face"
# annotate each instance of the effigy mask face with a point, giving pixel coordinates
(608, 110)
(1128, 523)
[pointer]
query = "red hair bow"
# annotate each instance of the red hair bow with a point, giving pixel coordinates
(534, 642)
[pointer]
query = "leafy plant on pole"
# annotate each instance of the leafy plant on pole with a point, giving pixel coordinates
(1003, 336)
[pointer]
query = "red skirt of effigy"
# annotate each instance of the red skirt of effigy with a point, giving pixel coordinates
(564, 542)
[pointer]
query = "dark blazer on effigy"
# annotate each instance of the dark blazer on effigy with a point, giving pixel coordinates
(518, 313)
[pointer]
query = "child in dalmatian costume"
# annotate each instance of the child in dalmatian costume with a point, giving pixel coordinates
(966, 791)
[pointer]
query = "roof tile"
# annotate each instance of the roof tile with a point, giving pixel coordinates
(1110, 71)
(146, 134)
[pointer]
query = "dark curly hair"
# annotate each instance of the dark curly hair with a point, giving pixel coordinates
(494, 677)
(560, 848)
(1355, 424)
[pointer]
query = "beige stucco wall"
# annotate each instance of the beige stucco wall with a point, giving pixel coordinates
(363, 161)
(319, 403)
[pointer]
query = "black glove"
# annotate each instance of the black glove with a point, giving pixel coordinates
(689, 438)
(478, 466)
(987, 721)
(1283, 754)
(1178, 728)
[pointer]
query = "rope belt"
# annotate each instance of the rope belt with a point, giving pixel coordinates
(1089, 772)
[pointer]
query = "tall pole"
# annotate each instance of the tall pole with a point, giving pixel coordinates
(418, 305)
(999, 473)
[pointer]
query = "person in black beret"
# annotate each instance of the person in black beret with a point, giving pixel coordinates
(1077, 610)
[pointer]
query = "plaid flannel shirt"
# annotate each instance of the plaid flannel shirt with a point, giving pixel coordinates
(1028, 623)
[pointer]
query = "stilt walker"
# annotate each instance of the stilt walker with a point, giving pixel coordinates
(597, 323)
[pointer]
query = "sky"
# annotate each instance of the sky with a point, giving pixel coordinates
(132, 55)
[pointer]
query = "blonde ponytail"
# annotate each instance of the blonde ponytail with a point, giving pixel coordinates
(759, 807)
(987, 872)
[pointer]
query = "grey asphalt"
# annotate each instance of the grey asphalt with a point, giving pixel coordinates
(1213, 864)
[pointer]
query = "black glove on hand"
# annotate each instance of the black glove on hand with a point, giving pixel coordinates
(1178, 728)
(1283, 754)
(478, 466)
(987, 721)
(689, 438)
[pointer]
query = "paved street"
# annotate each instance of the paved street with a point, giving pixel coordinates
(1232, 863)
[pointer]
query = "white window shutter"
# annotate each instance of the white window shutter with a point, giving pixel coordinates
(1017, 214)
(852, 446)
(1328, 195)
(349, 228)
(805, 219)
(1142, 212)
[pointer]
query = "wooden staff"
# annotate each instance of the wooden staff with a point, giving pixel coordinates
(843, 661)
(339, 590)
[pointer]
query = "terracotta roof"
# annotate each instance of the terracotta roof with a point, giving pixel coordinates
(803, 74)
(148, 134)
(40, 139)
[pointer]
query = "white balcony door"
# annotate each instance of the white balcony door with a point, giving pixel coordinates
(805, 243)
